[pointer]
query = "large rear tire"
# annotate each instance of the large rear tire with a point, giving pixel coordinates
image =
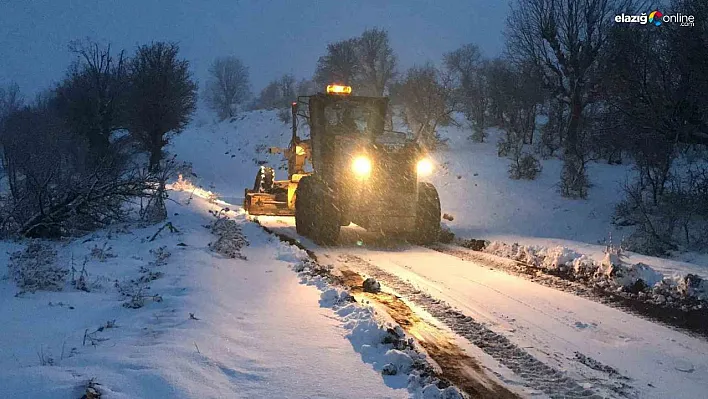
(427, 215)
(325, 216)
(303, 206)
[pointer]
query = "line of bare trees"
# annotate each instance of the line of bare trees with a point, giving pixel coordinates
(74, 158)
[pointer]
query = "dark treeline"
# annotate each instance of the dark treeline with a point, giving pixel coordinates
(75, 156)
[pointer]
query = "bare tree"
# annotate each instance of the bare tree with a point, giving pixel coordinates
(465, 66)
(288, 88)
(227, 87)
(426, 96)
(656, 105)
(91, 100)
(278, 94)
(51, 193)
(163, 97)
(270, 97)
(563, 40)
(377, 60)
(305, 87)
(11, 100)
(341, 64)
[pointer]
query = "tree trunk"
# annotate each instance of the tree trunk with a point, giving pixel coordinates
(574, 181)
(99, 146)
(571, 139)
(155, 152)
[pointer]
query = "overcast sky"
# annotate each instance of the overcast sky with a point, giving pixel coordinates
(272, 37)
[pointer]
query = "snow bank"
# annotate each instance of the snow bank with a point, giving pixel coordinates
(611, 274)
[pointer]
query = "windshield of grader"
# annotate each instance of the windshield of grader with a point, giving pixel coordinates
(351, 118)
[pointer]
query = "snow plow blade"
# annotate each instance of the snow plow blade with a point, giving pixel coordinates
(264, 204)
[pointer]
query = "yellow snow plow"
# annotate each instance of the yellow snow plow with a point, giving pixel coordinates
(277, 197)
(362, 173)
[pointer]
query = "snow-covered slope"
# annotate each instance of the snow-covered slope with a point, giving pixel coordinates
(225, 156)
(209, 327)
(476, 189)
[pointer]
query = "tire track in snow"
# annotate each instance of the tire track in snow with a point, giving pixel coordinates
(458, 367)
(537, 374)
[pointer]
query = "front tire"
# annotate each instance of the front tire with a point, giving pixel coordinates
(325, 216)
(427, 215)
(303, 206)
(265, 179)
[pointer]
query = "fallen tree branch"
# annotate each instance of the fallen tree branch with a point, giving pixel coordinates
(169, 225)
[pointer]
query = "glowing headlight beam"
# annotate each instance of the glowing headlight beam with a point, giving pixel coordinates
(361, 166)
(424, 167)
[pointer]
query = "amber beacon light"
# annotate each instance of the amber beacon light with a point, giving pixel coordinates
(339, 89)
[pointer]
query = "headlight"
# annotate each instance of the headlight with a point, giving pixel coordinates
(361, 166)
(424, 167)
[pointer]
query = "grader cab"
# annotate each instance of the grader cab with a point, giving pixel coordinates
(361, 174)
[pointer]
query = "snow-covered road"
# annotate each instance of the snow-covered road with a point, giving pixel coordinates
(601, 348)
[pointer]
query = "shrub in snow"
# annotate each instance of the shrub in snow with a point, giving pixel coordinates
(137, 300)
(161, 255)
(102, 253)
(478, 135)
(35, 268)
(371, 285)
(79, 278)
(155, 211)
(525, 167)
(92, 390)
(231, 239)
(503, 147)
(667, 207)
(285, 115)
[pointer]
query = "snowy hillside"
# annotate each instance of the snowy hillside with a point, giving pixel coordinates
(472, 181)
(175, 318)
